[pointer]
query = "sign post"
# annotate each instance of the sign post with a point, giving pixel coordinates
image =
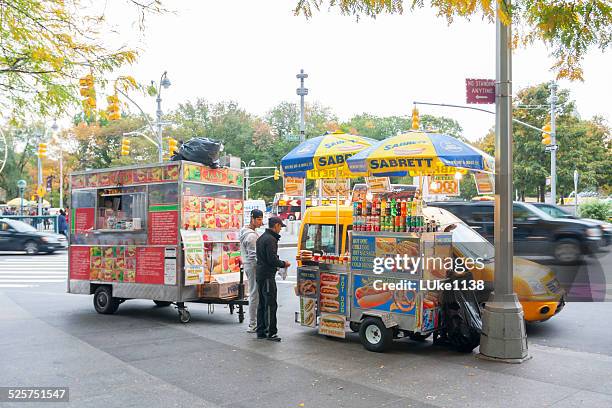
(480, 91)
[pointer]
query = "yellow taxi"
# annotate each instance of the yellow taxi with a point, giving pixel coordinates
(536, 285)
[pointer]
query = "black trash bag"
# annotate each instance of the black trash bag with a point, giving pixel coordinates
(200, 150)
(462, 320)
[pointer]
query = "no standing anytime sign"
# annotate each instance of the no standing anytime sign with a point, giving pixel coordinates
(480, 90)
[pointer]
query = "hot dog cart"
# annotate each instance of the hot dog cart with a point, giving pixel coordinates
(381, 301)
(165, 232)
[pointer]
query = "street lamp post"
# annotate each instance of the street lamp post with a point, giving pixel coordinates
(165, 83)
(576, 178)
(301, 91)
(21, 185)
(553, 143)
(503, 336)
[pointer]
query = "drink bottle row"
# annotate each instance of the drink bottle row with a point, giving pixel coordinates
(392, 215)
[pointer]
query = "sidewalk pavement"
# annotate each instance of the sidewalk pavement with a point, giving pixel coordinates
(143, 357)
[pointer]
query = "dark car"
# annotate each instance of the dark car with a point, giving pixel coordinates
(535, 232)
(559, 212)
(19, 236)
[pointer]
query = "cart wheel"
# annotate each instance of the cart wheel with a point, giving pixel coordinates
(374, 335)
(354, 326)
(418, 336)
(162, 303)
(184, 315)
(104, 302)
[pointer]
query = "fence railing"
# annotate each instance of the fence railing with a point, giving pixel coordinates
(43, 223)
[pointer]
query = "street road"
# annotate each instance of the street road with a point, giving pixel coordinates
(142, 356)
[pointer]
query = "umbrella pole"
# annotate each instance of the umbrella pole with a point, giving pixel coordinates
(337, 216)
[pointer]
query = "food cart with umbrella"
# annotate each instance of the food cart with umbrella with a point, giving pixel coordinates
(324, 157)
(383, 300)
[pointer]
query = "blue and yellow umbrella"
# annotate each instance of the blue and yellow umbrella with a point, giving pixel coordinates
(419, 153)
(324, 156)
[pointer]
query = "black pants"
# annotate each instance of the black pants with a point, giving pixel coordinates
(266, 309)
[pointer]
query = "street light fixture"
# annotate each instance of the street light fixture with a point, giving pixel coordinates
(21, 185)
(165, 83)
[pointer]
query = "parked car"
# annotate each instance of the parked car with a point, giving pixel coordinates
(560, 212)
(535, 232)
(19, 236)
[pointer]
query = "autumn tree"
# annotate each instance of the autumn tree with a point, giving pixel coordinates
(45, 46)
(568, 28)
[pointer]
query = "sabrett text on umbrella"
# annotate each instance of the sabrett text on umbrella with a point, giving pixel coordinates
(333, 159)
(383, 163)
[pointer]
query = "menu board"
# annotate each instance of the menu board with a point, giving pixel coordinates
(195, 260)
(126, 177)
(445, 184)
(308, 312)
(83, 219)
(378, 184)
(150, 265)
(79, 263)
(332, 325)
(211, 213)
(485, 183)
(331, 187)
(307, 283)
(293, 186)
(363, 252)
(196, 172)
(366, 296)
(332, 293)
(163, 225)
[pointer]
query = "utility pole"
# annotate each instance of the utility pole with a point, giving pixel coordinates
(301, 91)
(503, 337)
(246, 183)
(553, 143)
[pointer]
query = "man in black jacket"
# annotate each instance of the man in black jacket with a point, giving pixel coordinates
(267, 266)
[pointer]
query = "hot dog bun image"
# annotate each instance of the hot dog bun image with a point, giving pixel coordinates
(368, 297)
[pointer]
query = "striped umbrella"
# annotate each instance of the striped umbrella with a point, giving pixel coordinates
(419, 153)
(324, 156)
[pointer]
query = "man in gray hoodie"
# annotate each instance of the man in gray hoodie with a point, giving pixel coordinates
(248, 238)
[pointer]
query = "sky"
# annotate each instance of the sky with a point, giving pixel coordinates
(250, 51)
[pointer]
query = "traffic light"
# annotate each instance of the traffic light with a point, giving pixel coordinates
(276, 174)
(415, 118)
(113, 111)
(125, 147)
(546, 134)
(172, 146)
(42, 150)
(88, 92)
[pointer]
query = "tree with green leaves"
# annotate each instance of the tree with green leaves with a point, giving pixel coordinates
(45, 46)
(568, 28)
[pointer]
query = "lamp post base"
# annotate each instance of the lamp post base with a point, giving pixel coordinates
(503, 337)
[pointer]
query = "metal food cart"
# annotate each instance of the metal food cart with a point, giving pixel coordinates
(165, 232)
(333, 294)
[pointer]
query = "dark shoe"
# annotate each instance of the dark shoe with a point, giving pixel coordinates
(273, 338)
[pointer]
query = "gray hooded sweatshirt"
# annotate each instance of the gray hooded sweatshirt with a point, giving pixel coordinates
(248, 238)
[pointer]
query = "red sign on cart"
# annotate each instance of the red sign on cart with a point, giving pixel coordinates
(480, 91)
(163, 227)
(84, 219)
(79, 262)
(150, 265)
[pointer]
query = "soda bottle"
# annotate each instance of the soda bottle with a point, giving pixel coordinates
(374, 205)
(392, 212)
(369, 208)
(403, 208)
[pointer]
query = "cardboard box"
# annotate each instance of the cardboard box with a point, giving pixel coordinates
(223, 287)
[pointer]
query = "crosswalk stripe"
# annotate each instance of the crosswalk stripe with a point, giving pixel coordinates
(31, 281)
(4, 277)
(16, 285)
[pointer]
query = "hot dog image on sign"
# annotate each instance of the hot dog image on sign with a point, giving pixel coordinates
(370, 292)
